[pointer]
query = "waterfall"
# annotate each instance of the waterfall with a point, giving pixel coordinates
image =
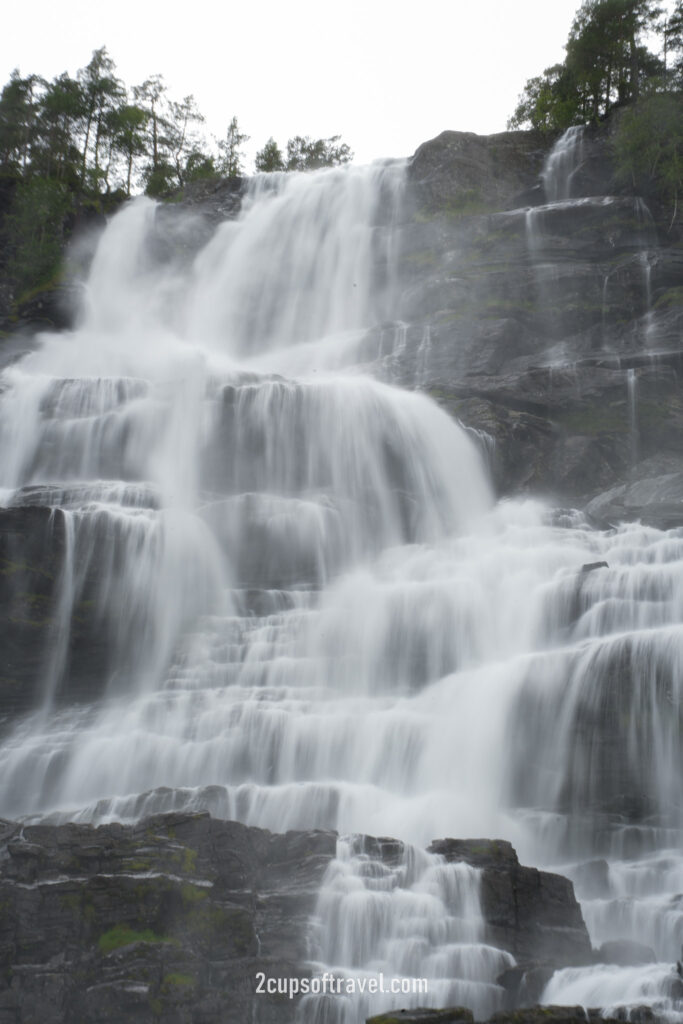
(562, 164)
(403, 914)
(314, 614)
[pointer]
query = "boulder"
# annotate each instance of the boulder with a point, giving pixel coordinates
(533, 914)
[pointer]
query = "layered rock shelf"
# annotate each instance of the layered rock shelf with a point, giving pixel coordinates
(172, 919)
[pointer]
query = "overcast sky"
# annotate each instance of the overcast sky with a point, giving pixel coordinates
(385, 74)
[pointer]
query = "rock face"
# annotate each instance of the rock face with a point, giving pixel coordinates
(533, 1015)
(552, 330)
(31, 562)
(533, 914)
(172, 919)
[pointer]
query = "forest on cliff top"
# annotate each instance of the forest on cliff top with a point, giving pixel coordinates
(72, 149)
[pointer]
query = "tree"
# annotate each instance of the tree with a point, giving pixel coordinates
(306, 154)
(648, 146)
(606, 64)
(180, 135)
(230, 148)
(149, 97)
(19, 106)
(270, 158)
(673, 46)
(129, 128)
(34, 231)
(55, 151)
(550, 102)
(200, 165)
(102, 92)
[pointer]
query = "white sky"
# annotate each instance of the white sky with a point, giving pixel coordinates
(384, 74)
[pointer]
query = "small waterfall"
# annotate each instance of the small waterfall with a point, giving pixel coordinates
(562, 164)
(405, 916)
(649, 339)
(424, 353)
(632, 397)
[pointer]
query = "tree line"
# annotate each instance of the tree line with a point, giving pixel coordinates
(94, 133)
(609, 69)
(87, 142)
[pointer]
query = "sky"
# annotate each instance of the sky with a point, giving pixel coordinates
(386, 75)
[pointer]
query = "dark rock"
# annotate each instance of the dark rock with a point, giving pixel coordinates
(453, 1015)
(170, 919)
(655, 501)
(530, 1015)
(524, 984)
(173, 918)
(592, 566)
(553, 1014)
(533, 914)
(31, 563)
(461, 171)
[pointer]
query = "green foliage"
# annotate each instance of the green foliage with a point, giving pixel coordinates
(303, 154)
(306, 154)
(33, 231)
(549, 102)
(230, 148)
(648, 146)
(178, 980)
(123, 935)
(606, 64)
(76, 145)
(270, 158)
(160, 180)
(673, 46)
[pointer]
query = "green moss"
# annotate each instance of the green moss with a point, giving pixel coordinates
(469, 202)
(35, 599)
(672, 297)
(34, 623)
(137, 865)
(186, 860)
(192, 893)
(598, 419)
(9, 568)
(123, 935)
(178, 980)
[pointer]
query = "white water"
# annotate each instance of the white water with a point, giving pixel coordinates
(317, 616)
(562, 164)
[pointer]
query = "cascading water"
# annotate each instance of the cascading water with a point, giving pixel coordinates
(311, 603)
(562, 164)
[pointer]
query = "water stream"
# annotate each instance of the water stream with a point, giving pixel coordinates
(317, 614)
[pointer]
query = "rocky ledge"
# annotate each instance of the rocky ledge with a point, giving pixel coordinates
(172, 919)
(532, 1015)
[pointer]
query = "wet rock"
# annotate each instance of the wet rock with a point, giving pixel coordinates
(453, 1015)
(591, 879)
(461, 171)
(530, 1015)
(31, 563)
(174, 917)
(524, 984)
(533, 914)
(553, 1014)
(655, 501)
(170, 919)
(625, 954)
